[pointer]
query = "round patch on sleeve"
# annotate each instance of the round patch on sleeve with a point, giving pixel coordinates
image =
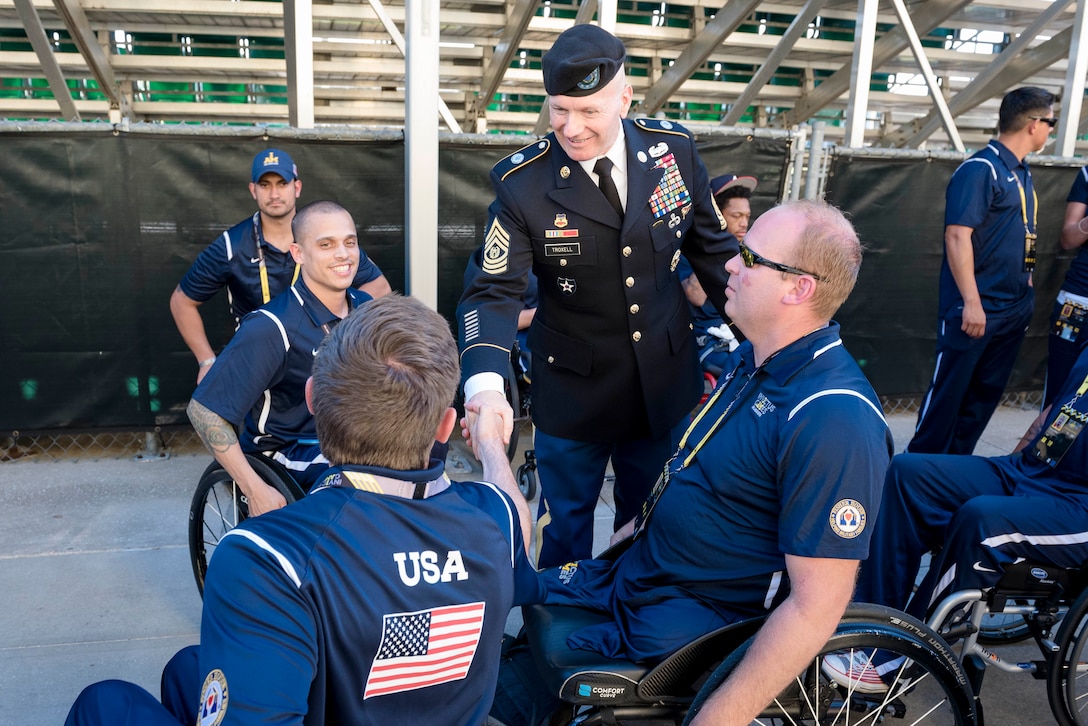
(213, 699)
(847, 518)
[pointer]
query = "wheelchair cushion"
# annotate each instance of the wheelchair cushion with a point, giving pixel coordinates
(578, 676)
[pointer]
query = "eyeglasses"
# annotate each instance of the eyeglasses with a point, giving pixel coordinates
(1050, 121)
(750, 258)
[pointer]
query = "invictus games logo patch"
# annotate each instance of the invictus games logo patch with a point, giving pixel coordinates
(847, 518)
(496, 249)
(213, 699)
(566, 572)
(763, 405)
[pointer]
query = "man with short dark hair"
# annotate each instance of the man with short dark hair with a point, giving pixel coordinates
(600, 210)
(381, 597)
(252, 259)
(986, 297)
(252, 401)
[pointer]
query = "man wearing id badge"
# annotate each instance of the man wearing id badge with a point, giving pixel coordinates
(767, 504)
(984, 513)
(986, 298)
(1069, 318)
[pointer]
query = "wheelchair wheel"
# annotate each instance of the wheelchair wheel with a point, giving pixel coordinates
(928, 687)
(527, 481)
(1003, 628)
(1067, 678)
(218, 506)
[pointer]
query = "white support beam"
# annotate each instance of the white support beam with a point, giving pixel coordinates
(717, 30)
(421, 151)
(1073, 95)
(1011, 66)
(75, 20)
(35, 31)
(928, 16)
(298, 45)
(793, 33)
(606, 15)
(927, 73)
(398, 40)
(861, 73)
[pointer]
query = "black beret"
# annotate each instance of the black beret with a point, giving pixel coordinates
(582, 61)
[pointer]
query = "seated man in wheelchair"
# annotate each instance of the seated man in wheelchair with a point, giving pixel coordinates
(256, 386)
(382, 596)
(769, 502)
(983, 514)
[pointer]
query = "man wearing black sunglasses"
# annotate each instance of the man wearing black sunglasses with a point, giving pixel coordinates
(769, 501)
(985, 297)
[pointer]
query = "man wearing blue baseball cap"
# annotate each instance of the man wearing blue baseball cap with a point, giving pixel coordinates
(253, 259)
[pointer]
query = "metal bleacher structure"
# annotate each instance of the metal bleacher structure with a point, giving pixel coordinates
(735, 63)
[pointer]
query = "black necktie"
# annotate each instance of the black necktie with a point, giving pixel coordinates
(603, 170)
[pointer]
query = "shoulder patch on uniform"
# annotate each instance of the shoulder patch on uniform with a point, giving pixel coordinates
(847, 518)
(522, 158)
(213, 699)
(661, 126)
(496, 249)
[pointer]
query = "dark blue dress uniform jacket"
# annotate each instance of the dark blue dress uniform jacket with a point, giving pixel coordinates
(614, 357)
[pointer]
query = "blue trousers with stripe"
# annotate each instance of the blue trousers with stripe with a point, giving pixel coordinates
(120, 703)
(968, 380)
(571, 476)
(981, 512)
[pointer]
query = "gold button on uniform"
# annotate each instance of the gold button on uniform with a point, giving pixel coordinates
(634, 308)
(630, 282)
(626, 251)
(563, 263)
(551, 359)
(679, 234)
(636, 336)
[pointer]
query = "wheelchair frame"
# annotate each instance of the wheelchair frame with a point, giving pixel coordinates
(930, 687)
(1053, 603)
(218, 506)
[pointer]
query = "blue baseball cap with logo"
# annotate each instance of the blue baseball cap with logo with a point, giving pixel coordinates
(275, 161)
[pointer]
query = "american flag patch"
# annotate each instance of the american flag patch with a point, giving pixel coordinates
(425, 648)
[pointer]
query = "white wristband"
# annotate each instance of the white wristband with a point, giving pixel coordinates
(206, 362)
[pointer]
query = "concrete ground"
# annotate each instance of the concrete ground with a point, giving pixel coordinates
(95, 564)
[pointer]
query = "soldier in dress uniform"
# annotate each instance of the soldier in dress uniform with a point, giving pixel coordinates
(600, 209)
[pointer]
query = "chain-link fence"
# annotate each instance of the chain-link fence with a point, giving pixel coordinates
(165, 442)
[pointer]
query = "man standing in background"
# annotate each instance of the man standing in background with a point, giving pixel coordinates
(986, 295)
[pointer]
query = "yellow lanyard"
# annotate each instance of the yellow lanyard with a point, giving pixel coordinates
(266, 295)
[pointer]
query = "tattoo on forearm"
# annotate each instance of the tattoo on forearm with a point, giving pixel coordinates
(215, 431)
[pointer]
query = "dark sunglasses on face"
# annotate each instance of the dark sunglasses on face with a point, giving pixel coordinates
(750, 258)
(1050, 121)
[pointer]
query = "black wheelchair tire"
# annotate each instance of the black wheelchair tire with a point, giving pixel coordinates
(218, 506)
(936, 678)
(1068, 696)
(527, 481)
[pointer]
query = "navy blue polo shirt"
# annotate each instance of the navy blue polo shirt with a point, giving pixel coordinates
(1076, 279)
(983, 195)
(258, 381)
(357, 607)
(231, 261)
